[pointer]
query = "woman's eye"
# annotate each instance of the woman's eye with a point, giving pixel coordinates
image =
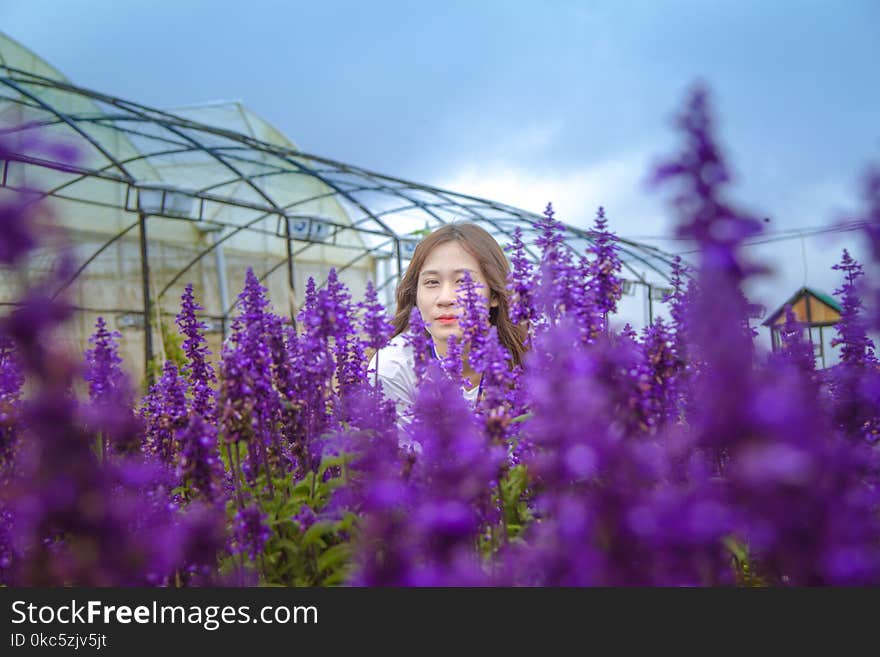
(430, 283)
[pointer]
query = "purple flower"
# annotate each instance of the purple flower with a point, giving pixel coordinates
(22, 222)
(305, 518)
(615, 507)
(601, 274)
(251, 531)
(659, 374)
(249, 403)
(872, 226)
(794, 347)
(798, 494)
(78, 521)
(200, 467)
(720, 338)
(420, 340)
(376, 326)
(200, 372)
(30, 324)
(855, 381)
(420, 524)
(103, 371)
(561, 288)
(520, 281)
(69, 518)
(164, 412)
(672, 458)
(11, 381)
(702, 172)
(19, 236)
(110, 393)
(856, 347)
(335, 304)
(680, 302)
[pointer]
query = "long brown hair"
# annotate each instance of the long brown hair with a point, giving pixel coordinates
(494, 266)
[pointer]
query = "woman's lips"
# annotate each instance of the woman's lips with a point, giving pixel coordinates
(447, 320)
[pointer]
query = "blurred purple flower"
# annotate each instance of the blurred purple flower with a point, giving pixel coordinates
(250, 531)
(11, 381)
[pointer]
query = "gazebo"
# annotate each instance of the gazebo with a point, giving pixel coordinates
(813, 309)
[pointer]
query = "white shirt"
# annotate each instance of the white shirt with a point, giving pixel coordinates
(396, 370)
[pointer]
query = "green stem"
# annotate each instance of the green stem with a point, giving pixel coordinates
(234, 464)
(503, 512)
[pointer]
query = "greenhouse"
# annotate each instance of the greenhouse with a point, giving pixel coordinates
(153, 200)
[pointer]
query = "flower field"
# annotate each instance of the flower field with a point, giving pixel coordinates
(677, 456)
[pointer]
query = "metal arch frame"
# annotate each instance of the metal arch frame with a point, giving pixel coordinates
(352, 170)
(414, 204)
(246, 181)
(142, 223)
(342, 268)
(343, 182)
(144, 114)
(406, 185)
(527, 217)
(73, 126)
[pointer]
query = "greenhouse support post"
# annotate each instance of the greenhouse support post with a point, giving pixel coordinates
(145, 278)
(290, 280)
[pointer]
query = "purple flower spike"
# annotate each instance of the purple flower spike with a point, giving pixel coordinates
(602, 273)
(200, 466)
(11, 381)
(521, 281)
(251, 531)
(200, 372)
(103, 371)
(376, 325)
(855, 381)
(420, 340)
(164, 412)
(110, 393)
(856, 347)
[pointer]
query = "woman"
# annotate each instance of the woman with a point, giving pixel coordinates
(431, 283)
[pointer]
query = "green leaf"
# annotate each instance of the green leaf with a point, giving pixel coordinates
(287, 544)
(314, 534)
(304, 487)
(334, 556)
(737, 548)
(332, 461)
(335, 578)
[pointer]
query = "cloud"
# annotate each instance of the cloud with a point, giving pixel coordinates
(617, 183)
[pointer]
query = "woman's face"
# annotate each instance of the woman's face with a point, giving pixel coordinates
(438, 285)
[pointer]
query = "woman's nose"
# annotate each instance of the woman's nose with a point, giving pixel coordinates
(447, 295)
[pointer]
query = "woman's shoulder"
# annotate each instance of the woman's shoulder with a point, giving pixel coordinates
(396, 352)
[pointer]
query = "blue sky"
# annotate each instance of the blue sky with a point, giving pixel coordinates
(522, 102)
